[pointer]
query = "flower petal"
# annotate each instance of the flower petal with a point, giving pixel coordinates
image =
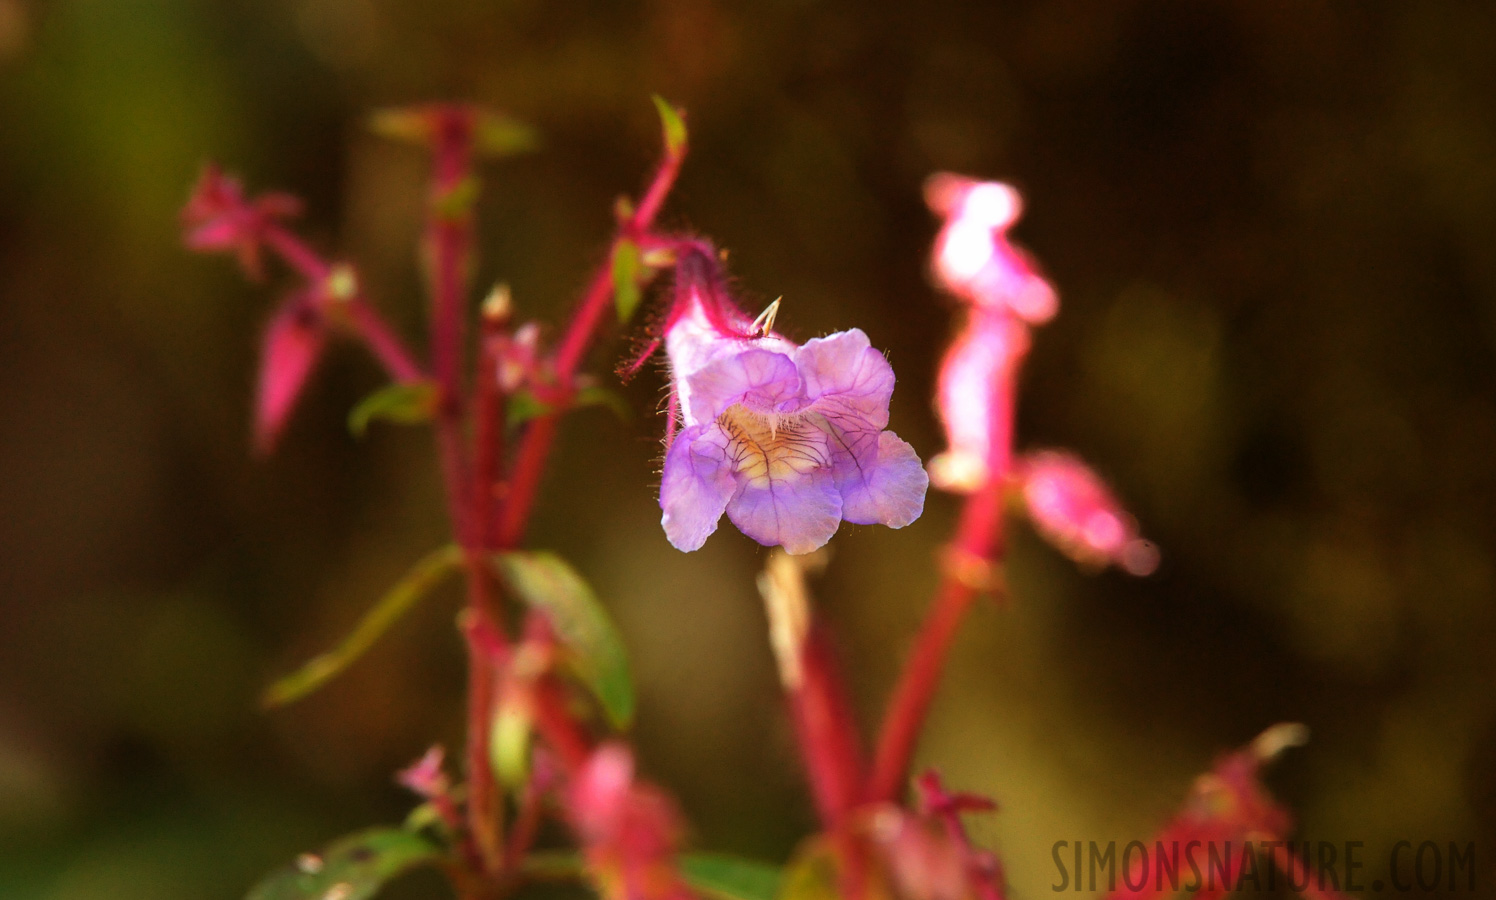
(887, 490)
(800, 512)
(847, 380)
(696, 486)
(761, 380)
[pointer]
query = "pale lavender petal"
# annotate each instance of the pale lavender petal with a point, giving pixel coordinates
(761, 380)
(888, 489)
(697, 483)
(847, 380)
(799, 513)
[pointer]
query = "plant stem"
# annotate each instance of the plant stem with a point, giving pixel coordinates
(535, 446)
(382, 341)
(827, 734)
(968, 571)
(366, 322)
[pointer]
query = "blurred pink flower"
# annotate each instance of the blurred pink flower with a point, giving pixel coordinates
(629, 831)
(973, 257)
(1227, 808)
(1073, 509)
(929, 855)
(217, 217)
(425, 777)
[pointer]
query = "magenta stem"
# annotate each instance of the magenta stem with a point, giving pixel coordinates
(366, 322)
(971, 558)
(534, 447)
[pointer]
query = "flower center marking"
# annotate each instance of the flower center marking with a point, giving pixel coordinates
(767, 447)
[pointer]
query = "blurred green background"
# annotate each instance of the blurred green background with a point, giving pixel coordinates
(1273, 228)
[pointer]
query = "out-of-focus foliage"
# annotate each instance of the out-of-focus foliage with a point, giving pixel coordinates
(1273, 229)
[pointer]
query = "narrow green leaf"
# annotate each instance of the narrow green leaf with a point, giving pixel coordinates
(499, 135)
(406, 402)
(546, 582)
(730, 877)
(353, 868)
(674, 126)
(411, 125)
(416, 584)
(811, 874)
(524, 406)
(626, 280)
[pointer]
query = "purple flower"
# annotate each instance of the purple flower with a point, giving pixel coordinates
(787, 440)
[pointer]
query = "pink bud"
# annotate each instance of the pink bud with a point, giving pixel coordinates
(925, 863)
(929, 852)
(516, 356)
(425, 777)
(629, 831)
(293, 342)
(1073, 509)
(600, 791)
(974, 259)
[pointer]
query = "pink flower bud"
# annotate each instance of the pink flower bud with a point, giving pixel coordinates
(292, 343)
(973, 257)
(629, 831)
(425, 777)
(516, 356)
(929, 853)
(1073, 509)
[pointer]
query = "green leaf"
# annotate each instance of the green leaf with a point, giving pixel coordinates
(499, 135)
(405, 402)
(730, 877)
(674, 126)
(416, 584)
(457, 201)
(353, 868)
(811, 874)
(626, 280)
(524, 406)
(546, 582)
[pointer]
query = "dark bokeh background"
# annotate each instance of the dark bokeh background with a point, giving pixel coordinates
(1273, 227)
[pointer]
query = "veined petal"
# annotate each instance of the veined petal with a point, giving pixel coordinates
(697, 483)
(761, 380)
(799, 512)
(846, 380)
(888, 489)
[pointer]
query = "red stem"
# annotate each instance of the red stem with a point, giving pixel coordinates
(535, 445)
(482, 801)
(559, 729)
(382, 342)
(488, 437)
(971, 556)
(380, 338)
(827, 733)
(296, 254)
